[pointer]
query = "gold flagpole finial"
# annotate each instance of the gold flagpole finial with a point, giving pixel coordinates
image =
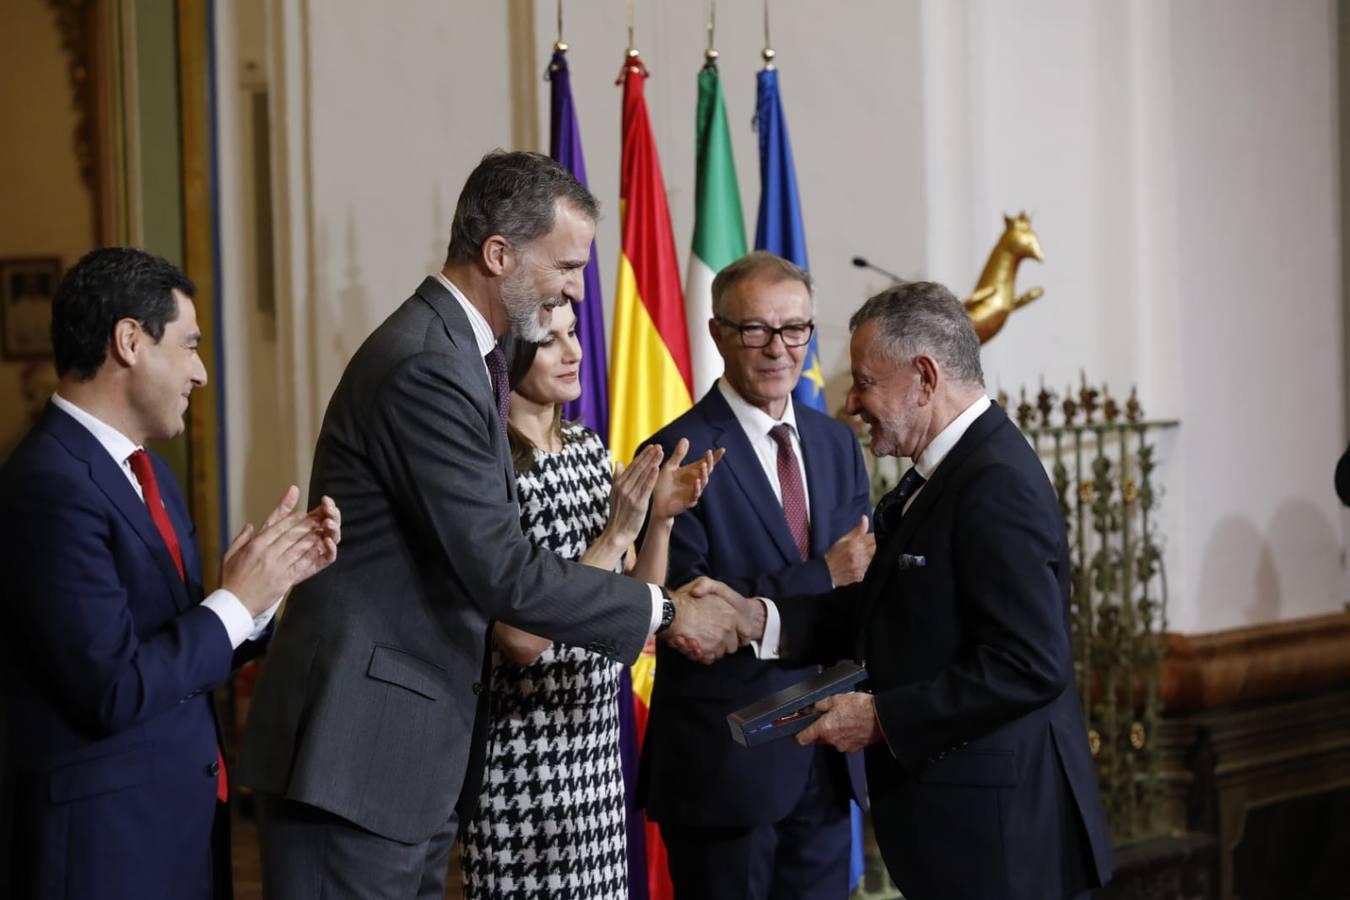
(711, 53)
(632, 50)
(560, 45)
(768, 53)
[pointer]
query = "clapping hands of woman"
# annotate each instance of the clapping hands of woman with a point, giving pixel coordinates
(679, 487)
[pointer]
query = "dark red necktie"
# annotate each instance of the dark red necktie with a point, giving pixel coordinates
(144, 471)
(794, 493)
(501, 387)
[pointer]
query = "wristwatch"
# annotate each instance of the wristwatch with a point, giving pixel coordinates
(667, 611)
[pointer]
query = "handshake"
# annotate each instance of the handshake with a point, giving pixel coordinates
(711, 620)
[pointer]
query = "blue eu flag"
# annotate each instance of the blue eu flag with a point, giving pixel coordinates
(779, 229)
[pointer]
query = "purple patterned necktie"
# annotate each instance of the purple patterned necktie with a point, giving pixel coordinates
(496, 363)
(794, 494)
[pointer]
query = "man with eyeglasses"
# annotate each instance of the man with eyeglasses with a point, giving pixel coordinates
(786, 514)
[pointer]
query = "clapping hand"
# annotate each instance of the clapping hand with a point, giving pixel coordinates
(848, 559)
(291, 546)
(679, 487)
(630, 494)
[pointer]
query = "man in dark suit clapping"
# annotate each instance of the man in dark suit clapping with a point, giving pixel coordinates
(113, 646)
(978, 768)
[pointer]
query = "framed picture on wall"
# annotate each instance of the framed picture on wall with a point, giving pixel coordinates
(27, 285)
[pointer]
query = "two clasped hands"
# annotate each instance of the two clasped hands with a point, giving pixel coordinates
(712, 620)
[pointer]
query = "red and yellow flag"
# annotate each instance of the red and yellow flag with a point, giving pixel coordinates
(650, 379)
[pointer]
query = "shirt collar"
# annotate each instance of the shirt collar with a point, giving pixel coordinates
(755, 421)
(937, 450)
(118, 445)
(482, 331)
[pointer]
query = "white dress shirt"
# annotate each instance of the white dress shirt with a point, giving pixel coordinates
(486, 340)
(757, 424)
(927, 463)
(482, 331)
(938, 448)
(239, 624)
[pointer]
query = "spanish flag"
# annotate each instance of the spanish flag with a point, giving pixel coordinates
(649, 372)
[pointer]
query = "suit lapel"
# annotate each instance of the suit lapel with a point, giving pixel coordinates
(879, 575)
(108, 476)
(460, 332)
(975, 435)
(822, 499)
(743, 464)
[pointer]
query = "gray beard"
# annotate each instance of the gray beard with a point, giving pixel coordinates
(523, 309)
(525, 325)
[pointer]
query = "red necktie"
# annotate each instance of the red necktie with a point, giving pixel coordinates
(144, 471)
(794, 494)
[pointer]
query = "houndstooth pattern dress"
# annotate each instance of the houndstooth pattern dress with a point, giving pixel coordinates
(550, 817)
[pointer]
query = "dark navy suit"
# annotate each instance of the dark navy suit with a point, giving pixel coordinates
(693, 774)
(109, 660)
(983, 788)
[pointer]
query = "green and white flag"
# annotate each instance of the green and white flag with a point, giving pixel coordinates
(719, 228)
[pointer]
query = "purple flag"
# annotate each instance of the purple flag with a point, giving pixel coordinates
(592, 407)
(592, 410)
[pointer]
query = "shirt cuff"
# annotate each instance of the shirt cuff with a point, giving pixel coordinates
(233, 615)
(767, 646)
(264, 618)
(658, 603)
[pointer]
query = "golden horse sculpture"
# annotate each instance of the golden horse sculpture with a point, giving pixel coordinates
(994, 298)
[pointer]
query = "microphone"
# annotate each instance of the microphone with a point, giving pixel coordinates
(862, 263)
(907, 562)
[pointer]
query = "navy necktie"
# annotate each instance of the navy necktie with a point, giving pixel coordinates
(892, 506)
(501, 388)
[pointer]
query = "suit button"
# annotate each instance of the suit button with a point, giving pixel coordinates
(478, 687)
(214, 769)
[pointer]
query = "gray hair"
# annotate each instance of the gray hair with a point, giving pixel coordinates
(760, 262)
(512, 195)
(924, 317)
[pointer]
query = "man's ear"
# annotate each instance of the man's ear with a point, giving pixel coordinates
(929, 374)
(715, 330)
(126, 342)
(498, 255)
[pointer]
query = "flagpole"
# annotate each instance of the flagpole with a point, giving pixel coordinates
(768, 53)
(711, 53)
(632, 50)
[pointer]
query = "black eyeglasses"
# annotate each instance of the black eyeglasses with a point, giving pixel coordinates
(756, 334)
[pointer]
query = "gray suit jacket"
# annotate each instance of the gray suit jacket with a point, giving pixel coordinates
(367, 703)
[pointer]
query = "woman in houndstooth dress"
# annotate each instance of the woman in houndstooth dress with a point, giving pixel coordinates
(550, 816)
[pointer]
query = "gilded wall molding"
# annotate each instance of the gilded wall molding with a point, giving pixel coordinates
(1205, 671)
(77, 21)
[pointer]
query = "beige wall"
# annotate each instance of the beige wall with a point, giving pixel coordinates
(45, 208)
(1179, 161)
(851, 82)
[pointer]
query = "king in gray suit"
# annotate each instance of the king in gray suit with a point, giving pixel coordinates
(363, 735)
